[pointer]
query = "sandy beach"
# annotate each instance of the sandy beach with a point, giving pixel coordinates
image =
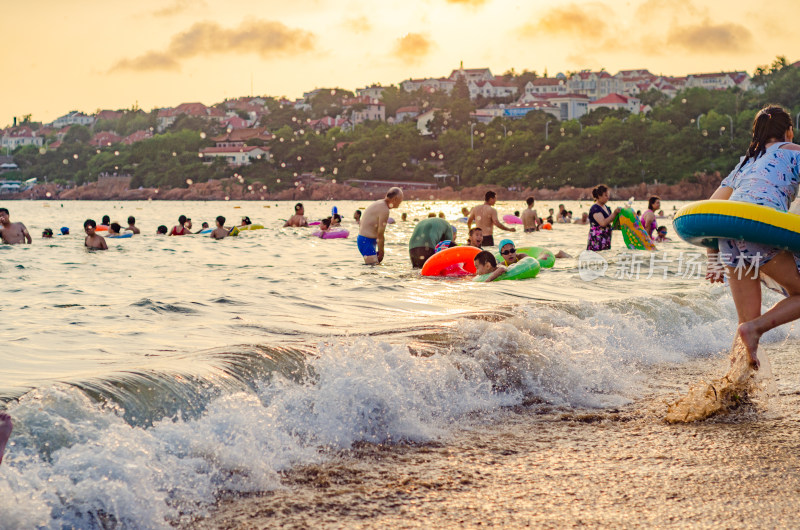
(541, 467)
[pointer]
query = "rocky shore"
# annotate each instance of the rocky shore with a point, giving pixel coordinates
(699, 186)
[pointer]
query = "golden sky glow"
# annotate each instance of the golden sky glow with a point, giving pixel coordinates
(89, 54)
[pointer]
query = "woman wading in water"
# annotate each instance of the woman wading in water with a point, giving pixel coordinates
(600, 219)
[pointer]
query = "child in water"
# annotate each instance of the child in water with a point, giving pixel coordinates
(661, 236)
(114, 230)
(220, 232)
(486, 264)
(324, 226)
(509, 252)
(93, 241)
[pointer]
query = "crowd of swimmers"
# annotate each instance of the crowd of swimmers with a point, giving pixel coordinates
(13, 233)
(372, 222)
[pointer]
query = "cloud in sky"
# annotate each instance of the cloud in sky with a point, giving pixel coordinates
(263, 37)
(359, 25)
(148, 61)
(658, 10)
(710, 38)
(412, 48)
(571, 20)
(657, 29)
(178, 6)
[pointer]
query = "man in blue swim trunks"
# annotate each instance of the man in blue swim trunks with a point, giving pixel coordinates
(373, 224)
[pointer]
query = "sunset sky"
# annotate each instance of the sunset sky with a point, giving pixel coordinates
(89, 54)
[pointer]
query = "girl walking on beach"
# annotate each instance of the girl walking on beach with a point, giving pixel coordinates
(767, 175)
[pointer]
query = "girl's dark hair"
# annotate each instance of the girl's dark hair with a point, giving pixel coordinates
(326, 222)
(770, 122)
(115, 227)
(652, 201)
(181, 219)
(598, 191)
(483, 257)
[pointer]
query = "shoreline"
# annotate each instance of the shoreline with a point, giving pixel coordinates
(547, 467)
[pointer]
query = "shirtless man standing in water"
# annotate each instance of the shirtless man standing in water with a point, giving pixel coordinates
(530, 220)
(298, 219)
(485, 218)
(12, 233)
(373, 224)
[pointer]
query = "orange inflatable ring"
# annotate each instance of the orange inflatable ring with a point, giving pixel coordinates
(436, 264)
(101, 228)
(547, 226)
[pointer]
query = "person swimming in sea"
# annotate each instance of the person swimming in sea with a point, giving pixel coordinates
(93, 241)
(509, 252)
(132, 225)
(426, 235)
(220, 232)
(299, 219)
(475, 238)
(485, 263)
(12, 233)
(114, 230)
(180, 229)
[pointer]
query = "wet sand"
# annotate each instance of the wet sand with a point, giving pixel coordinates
(542, 467)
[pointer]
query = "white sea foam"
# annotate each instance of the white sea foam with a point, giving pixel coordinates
(75, 462)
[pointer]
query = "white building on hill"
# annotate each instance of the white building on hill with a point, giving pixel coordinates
(617, 101)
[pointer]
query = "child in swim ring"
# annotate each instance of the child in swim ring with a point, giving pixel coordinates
(324, 226)
(486, 264)
(509, 253)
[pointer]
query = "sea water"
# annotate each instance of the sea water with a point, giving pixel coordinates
(150, 381)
